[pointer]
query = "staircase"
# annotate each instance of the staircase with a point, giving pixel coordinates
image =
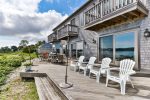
(48, 90)
(88, 37)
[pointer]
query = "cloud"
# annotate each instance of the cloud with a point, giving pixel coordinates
(21, 18)
(52, 1)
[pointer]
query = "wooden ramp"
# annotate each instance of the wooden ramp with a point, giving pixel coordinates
(48, 89)
(45, 89)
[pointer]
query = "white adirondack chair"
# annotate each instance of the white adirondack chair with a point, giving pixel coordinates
(78, 63)
(125, 70)
(103, 69)
(88, 66)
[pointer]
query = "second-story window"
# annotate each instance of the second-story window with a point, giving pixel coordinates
(73, 21)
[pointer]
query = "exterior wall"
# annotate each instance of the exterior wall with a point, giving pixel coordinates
(91, 49)
(145, 42)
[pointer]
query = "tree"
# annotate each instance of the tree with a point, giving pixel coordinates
(14, 48)
(5, 49)
(39, 43)
(24, 43)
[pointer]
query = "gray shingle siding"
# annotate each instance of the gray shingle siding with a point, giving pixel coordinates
(145, 42)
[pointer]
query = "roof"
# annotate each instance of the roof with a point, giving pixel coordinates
(46, 46)
(78, 10)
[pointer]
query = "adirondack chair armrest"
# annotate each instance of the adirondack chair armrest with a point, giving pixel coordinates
(105, 68)
(75, 60)
(132, 72)
(84, 62)
(116, 69)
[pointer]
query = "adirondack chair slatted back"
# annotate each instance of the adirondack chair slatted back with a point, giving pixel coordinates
(81, 58)
(126, 66)
(91, 62)
(105, 63)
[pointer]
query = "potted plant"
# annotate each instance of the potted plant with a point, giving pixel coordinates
(28, 66)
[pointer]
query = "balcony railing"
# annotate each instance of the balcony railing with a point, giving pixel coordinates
(67, 30)
(52, 37)
(107, 9)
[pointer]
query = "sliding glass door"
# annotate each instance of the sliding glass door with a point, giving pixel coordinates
(124, 46)
(106, 47)
(119, 46)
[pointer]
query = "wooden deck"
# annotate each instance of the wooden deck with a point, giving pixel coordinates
(85, 88)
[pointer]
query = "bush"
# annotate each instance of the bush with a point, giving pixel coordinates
(10, 61)
(28, 64)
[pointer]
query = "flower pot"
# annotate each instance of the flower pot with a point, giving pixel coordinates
(28, 68)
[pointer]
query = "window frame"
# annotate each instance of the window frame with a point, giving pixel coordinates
(136, 46)
(76, 48)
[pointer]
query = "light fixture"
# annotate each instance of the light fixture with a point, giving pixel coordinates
(94, 41)
(147, 33)
(53, 46)
(84, 42)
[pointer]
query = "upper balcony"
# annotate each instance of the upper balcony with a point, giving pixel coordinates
(111, 12)
(52, 37)
(68, 30)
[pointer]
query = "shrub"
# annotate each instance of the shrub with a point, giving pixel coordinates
(10, 61)
(28, 64)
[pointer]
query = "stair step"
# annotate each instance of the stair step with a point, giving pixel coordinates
(45, 89)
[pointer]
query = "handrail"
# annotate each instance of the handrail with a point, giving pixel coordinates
(64, 31)
(52, 37)
(104, 7)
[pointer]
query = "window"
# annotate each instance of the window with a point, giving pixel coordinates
(73, 50)
(119, 46)
(79, 49)
(106, 47)
(124, 46)
(81, 19)
(73, 21)
(76, 49)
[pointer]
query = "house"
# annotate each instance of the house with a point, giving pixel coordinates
(45, 48)
(118, 29)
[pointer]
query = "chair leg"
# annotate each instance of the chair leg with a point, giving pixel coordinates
(84, 72)
(131, 82)
(107, 79)
(75, 68)
(98, 77)
(123, 87)
(89, 74)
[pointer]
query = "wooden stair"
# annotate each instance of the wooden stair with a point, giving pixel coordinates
(45, 89)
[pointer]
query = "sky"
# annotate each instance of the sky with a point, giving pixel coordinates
(32, 20)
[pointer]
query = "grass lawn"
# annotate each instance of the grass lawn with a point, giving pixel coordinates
(19, 90)
(11, 61)
(16, 89)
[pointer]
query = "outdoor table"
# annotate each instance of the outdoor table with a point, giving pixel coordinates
(54, 58)
(60, 58)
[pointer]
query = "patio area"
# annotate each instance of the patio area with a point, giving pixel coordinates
(85, 88)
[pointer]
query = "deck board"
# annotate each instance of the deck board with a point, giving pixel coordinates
(85, 88)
